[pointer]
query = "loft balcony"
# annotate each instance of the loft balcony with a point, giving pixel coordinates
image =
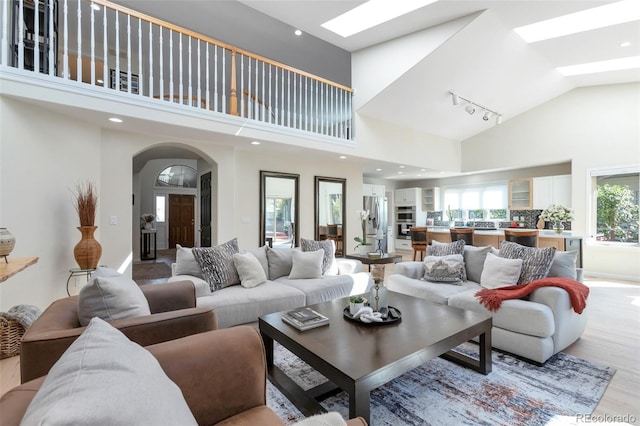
(112, 48)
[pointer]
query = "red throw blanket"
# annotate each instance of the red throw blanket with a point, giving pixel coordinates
(578, 292)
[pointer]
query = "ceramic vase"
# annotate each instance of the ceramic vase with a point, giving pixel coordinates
(88, 251)
(355, 307)
(7, 242)
(363, 249)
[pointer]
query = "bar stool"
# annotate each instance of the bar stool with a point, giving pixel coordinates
(418, 240)
(332, 234)
(465, 234)
(524, 238)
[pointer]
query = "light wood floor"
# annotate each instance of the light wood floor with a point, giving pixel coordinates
(612, 338)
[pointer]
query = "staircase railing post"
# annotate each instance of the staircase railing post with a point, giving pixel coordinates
(233, 98)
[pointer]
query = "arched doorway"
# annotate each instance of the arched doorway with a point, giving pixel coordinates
(175, 186)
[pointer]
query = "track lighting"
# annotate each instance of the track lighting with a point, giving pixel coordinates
(471, 108)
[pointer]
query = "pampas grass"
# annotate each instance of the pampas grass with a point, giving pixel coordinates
(86, 199)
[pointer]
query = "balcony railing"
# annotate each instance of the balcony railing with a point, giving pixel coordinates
(103, 44)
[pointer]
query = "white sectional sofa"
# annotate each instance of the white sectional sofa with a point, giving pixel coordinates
(535, 328)
(239, 305)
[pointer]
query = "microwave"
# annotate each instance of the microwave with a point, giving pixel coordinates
(406, 214)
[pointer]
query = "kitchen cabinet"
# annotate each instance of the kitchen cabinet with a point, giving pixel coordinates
(431, 199)
(407, 196)
(549, 190)
(520, 194)
(369, 190)
(403, 245)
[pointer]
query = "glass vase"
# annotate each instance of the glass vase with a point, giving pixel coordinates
(378, 299)
(558, 226)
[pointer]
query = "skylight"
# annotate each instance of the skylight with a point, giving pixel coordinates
(630, 62)
(370, 14)
(586, 20)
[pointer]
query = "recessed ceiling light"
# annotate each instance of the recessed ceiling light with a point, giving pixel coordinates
(625, 44)
(255, 143)
(115, 120)
(585, 20)
(423, 170)
(400, 173)
(370, 14)
(630, 62)
(402, 167)
(342, 157)
(378, 170)
(297, 32)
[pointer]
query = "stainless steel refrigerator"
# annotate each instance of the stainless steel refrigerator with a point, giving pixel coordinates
(376, 230)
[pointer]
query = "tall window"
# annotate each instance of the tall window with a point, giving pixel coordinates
(161, 202)
(617, 204)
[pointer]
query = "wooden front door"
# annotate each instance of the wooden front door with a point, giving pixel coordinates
(205, 210)
(181, 220)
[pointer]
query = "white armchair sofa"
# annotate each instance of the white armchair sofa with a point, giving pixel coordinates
(535, 328)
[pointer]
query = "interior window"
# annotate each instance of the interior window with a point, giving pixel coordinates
(177, 176)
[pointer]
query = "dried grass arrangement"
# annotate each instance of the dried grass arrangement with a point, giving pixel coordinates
(86, 199)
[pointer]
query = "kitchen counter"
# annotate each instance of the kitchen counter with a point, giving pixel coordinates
(544, 233)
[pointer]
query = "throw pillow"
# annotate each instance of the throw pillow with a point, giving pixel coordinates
(331, 418)
(261, 254)
(535, 261)
(329, 262)
(500, 272)
(279, 262)
(306, 264)
(564, 265)
(104, 378)
(110, 295)
(217, 264)
(443, 249)
(474, 258)
(444, 269)
(249, 269)
(186, 263)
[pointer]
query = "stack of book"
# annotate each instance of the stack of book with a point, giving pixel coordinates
(304, 318)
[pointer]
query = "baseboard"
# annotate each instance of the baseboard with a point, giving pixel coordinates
(588, 273)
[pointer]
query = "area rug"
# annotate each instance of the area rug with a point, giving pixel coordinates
(151, 271)
(443, 393)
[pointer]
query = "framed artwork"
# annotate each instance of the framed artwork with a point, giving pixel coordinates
(124, 81)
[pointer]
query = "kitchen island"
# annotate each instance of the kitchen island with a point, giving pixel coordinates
(566, 241)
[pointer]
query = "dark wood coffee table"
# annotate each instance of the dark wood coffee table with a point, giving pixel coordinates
(358, 358)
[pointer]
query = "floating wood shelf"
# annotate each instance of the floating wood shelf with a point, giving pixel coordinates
(14, 266)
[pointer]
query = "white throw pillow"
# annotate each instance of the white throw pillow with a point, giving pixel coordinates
(279, 262)
(306, 264)
(186, 263)
(110, 296)
(103, 378)
(500, 272)
(249, 269)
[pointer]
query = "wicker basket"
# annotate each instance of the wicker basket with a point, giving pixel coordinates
(10, 334)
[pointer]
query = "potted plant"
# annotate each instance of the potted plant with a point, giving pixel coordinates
(148, 219)
(355, 304)
(88, 251)
(363, 245)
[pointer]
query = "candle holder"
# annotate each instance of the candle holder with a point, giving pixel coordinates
(379, 291)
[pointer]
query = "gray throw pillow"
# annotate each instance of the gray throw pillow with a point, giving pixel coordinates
(186, 263)
(564, 265)
(110, 295)
(474, 261)
(329, 260)
(279, 262)
(443, 249)
(444, 269)
(500, 271)
(536, 262)
(306, 264)
(104, 378)
(217, 264)
(249, 269)
(261, 254)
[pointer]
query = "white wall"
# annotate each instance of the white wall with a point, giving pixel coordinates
(593, 127)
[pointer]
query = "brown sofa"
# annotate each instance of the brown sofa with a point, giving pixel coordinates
(173, 315)
(222, 375)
